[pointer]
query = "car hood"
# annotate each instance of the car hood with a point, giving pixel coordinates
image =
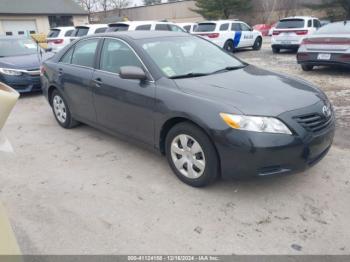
(20, 62)
(254, 91)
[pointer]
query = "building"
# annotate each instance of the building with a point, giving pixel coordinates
(182, 11)
(23, 17)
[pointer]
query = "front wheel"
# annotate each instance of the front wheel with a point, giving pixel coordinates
(257, 44)
(191, 155)
(61, 111)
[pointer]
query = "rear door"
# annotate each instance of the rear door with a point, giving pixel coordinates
(247, 35)
(238, 40)
(75, 74)
(122, 105)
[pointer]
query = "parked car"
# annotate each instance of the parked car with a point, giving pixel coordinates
(188, 27)
(59, 37)
(230, 34)
(20, 64)
(329, 46)
(144, 26)
(263, 29)
(156, 88)
(290, 32)
(85, 30)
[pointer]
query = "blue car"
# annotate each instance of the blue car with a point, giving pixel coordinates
(20, 64)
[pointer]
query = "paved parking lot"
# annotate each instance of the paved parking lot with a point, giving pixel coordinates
(81, 191)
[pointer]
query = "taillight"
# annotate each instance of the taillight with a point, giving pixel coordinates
(55, 41)
(345, 57)
(302, 56)
(302, 32)
(276, 32)
(306, 41)
(214, 35)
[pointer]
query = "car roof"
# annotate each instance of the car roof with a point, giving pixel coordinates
(138, 35)
(139, 22)
(62, 28)
(221, 21)
(299, 17)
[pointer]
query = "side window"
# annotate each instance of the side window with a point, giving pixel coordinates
(309, 23)
(100, 30)
(84, 53)
(236, 27)
(175, 28)
(68, 33)
(143, 28)
(317, 23)
(116, 54)
(245, 27)
(224, 27)
(162, 27)
(67, 58)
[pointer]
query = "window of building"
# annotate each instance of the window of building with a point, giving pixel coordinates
(60, 20)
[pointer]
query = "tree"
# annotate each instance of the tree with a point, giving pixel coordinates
(151, 2)
(221, 9)
(88, 5)
(120, 4)
(336, 9)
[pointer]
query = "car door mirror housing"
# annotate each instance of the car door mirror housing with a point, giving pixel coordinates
(132, 72)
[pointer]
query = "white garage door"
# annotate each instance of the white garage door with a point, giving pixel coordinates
(19, 27)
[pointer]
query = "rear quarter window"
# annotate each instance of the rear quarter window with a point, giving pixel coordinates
(53, 33)
(100, 30)
(69, 33)
(206, 27)
(291, 23)
(143, 28)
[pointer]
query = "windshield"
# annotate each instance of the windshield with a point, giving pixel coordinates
(335, 28)
(206, 27)
(17, 47)
(177, 56)
(291, 23)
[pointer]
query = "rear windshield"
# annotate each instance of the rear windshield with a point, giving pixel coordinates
(53, 33)
(335, 28)
(117, 27)
(80, 31)
(291, 23)
(206, 27)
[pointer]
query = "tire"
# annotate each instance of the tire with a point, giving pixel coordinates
(61, 111)
(257, 44)
(186, 144)
(307, 67)
(229, 46)
(275, 50)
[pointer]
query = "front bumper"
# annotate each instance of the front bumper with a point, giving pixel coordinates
(23, 83)
(248, 154)
(311, 58)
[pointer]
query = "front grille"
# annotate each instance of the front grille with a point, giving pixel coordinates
(314, 122)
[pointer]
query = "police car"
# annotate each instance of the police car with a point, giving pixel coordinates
(230, 34)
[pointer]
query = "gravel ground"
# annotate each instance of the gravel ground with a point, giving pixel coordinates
(84, 192)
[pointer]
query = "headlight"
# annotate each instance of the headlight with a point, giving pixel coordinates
(256, 124)
(10, 72)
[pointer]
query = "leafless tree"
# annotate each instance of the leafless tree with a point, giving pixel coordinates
(120, 4)
(88, 5)
(267, 8)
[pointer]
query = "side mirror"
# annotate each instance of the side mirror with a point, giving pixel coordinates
(132, 72)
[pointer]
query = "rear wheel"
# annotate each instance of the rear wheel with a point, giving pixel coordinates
(229, 46)
(307, 67)
(275, 50)
(257, 44)
(61, 111)
(191, 155)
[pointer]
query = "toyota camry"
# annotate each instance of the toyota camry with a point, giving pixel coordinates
(211, 114)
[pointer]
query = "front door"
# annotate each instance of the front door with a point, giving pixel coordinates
(123, 106)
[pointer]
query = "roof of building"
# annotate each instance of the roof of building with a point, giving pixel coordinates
(42, 7)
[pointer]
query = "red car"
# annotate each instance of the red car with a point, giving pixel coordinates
(263, 28)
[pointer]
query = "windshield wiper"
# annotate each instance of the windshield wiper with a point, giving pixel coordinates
(189, 75)
(229, 68)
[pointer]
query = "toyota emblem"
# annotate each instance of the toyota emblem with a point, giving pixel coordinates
(327, 111)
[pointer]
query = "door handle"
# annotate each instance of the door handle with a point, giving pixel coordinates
(98, 82)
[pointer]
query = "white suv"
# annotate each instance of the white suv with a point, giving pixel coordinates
(291, 31)
(144, 26)
(59, 37)
(230, 34)
(84, 30)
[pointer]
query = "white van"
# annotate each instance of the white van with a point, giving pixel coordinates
(230, 34)
(144, 26)
(290, 32)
